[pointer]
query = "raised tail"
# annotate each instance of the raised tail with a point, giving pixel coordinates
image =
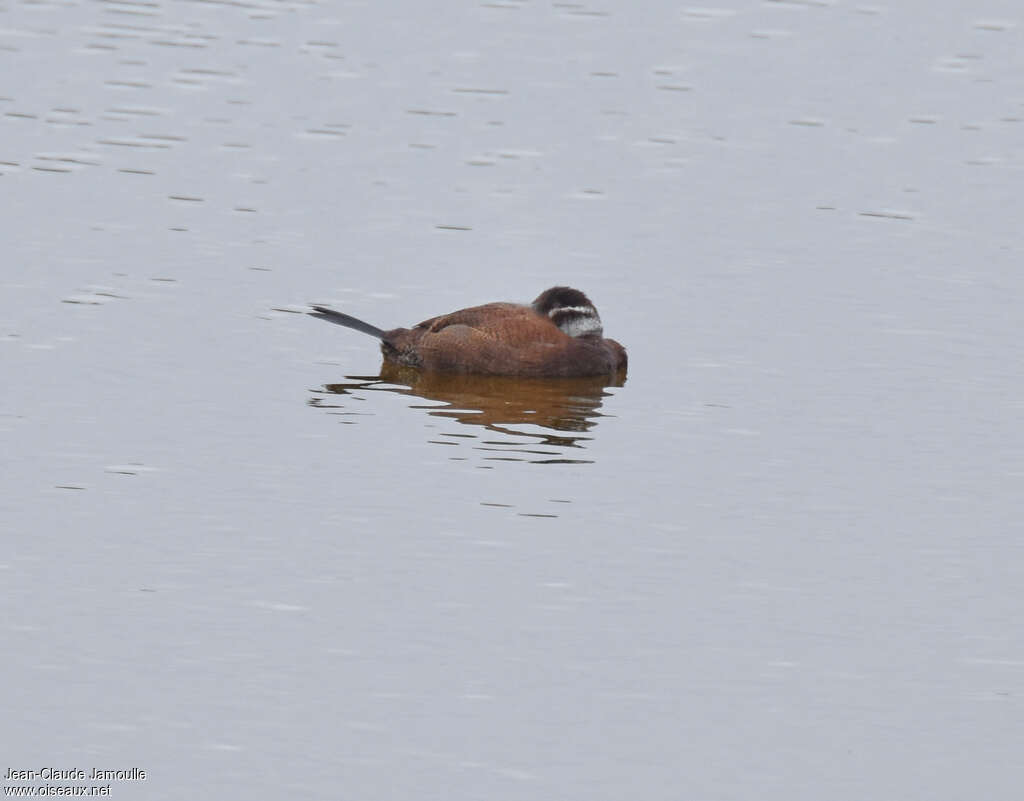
(331, 316)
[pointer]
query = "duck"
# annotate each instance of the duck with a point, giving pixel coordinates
(558, 335)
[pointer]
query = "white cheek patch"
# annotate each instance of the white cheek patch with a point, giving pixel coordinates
(585, 310)
(577, 321)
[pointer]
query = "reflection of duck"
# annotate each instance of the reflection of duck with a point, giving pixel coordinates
(499, 403)
(559, 335)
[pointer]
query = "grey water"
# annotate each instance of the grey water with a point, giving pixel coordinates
(782, 560)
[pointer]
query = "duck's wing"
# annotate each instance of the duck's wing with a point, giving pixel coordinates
(509, 323)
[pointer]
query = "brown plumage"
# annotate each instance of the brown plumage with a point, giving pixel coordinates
(558, 335)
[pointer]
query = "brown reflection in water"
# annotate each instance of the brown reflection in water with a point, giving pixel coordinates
(566, 410)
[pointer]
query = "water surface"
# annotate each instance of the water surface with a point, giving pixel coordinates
(781, 561)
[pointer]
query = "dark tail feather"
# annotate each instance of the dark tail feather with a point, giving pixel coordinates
(338, 318)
